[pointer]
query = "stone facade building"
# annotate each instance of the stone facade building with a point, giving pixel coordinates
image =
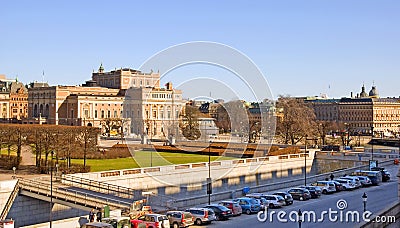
(13, 100)
(363, 113)
(129, 96)
(154, 111)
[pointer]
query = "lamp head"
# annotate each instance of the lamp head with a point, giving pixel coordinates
(364, 197)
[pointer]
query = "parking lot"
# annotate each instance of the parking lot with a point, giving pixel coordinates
(378, 198)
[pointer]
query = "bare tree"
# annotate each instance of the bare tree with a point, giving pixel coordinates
(87, 139)
(324, 128)
(189, 124)
(297, 122)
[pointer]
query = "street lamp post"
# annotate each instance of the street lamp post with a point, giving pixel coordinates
(364, 199)
(399, 140)
(51, 189)
(305, 163)
(209, 186)
(372, 143)
(300, 218)
(14, 169)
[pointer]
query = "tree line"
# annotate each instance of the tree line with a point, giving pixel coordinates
(49, 142)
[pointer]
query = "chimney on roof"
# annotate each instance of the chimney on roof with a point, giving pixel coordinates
(168, 86)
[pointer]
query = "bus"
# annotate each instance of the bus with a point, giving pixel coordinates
(374, 176)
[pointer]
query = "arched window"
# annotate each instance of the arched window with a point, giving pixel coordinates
(46, 113)
(41, 109)
(35, 111)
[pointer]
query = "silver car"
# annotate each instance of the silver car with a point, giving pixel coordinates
(354, 178)
(202, 215)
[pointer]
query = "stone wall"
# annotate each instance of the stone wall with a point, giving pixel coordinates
(27, 211)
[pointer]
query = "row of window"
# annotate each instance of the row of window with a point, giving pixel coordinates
(19, 98)
(41, 110)
(103, 114)
(16, 105)
(20, 110)
(161, 95)
(43, 95)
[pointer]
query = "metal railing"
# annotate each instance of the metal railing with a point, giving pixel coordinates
(10, 202)
(72, 196)
(98, 186)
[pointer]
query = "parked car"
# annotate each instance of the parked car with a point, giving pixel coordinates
(221, 212)
(202, 215)
(97, 225)
(151, 220)
(288, 198)
(385, 174)
(259, 197)
(180, 218)
(118, 222)
(374, 176)
(274, 201)
(249, 205)
(365, 181)
(263, 202)
(326, 186)
(300, 194)
(355, 179)
(233, 206)
(338, 186)
(315, 191)
(347, 184)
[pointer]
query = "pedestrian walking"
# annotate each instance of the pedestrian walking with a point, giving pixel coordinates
(332, 176)
(91, 215)
(98, 215)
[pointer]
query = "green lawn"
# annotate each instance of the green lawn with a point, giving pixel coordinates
(146, 159)
(5, 151)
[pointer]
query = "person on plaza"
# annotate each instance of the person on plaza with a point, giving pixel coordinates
(98, 215)
(91, 215)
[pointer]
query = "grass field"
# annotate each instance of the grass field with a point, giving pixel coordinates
(5, 151)
(146, 159)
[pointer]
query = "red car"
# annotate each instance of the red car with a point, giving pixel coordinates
(233, 206)
(150, 220)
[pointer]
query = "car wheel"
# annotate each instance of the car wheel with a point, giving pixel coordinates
(301, 198)
(271, 205)
(324, 191)
(176, 225)
(248, 211)
(198, 222)
(217, 217)
(344, 188)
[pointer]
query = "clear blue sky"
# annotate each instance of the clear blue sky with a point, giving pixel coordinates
(302, 47)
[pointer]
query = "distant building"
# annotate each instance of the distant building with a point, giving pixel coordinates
(363, 113)
(18, 101)
(13, 100)
(133, 97)
(125, 78)
(154, 111)
(73, 105)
